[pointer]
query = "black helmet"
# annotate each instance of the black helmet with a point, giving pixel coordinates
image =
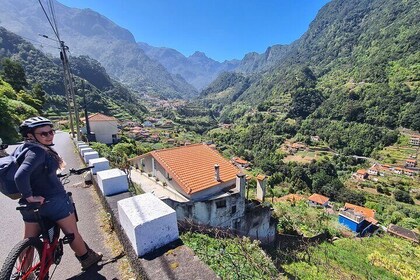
(30, 124)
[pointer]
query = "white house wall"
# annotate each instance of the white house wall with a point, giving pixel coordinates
(104, 130)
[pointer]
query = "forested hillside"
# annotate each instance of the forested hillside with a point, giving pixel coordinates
(352, 78)
(87, 32)
(43, 73)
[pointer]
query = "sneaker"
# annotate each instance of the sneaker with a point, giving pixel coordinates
(89, 260)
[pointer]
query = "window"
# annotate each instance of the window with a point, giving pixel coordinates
(233, 209)
(220, 203)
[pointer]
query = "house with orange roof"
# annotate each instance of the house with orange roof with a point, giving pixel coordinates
(240, 162)
(398, 170)
(409, 172)
(410, 163)
(361, 174)
(357, 218)
(415, 140)
(375, 169)
(318, 200)
(105, 128)
(213, 188)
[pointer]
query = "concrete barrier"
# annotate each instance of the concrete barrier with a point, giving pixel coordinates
(90, 155)
(82, 146)
(112, 181)
(99, 164)
(85, 150)
(148, 222)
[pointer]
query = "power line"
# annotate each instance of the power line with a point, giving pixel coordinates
(68, 78)
(48, 18)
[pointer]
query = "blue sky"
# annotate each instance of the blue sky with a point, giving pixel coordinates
(222, 29)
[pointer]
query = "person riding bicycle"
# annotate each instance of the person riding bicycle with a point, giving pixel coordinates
(37, 181)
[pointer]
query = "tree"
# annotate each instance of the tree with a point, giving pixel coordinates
(13, 73)
(403, 196)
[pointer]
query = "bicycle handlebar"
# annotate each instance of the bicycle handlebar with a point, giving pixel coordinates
(75, 171)
(80, 171)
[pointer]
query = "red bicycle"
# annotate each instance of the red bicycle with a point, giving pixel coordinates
(32, 257)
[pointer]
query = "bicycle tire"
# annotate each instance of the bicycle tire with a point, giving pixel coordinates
(10, 264)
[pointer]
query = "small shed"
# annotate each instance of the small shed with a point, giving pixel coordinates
(318, 200)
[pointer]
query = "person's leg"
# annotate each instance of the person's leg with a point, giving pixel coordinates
(69, 225)
(31, 230)
(84, 254)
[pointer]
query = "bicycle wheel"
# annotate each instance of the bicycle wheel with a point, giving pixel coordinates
(23, 258)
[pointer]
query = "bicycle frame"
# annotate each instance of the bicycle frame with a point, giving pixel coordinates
(52, 245)
(52, 249)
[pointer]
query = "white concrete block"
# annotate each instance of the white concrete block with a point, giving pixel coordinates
(148, 222)
(78, 143)
(85, 150)
(112, 181)
(99, 164)
(82, 146)
(90, 155)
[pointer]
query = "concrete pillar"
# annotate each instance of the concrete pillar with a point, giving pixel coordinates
(112, 181)
(85, 150)
(82, 146)
(148, 222)
(99, 164)
(90, 155)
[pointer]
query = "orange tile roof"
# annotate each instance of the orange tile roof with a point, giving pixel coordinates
(192, 166)
(101, 117)
(240, 161)
(368, 213)
(411, 160)
(361, 172)
(261, 177)
(318, 198)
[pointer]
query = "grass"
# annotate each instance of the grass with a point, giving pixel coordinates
(113, 243)
(377, 257)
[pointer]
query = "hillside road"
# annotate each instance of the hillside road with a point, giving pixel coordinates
(88, 207)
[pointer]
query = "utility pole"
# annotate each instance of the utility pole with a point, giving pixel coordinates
(71, 96)
(68, 80)
(86, 112)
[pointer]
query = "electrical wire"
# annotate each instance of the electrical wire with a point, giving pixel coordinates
(49, 20)
(52, 11)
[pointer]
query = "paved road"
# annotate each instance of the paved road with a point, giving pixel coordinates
(87, 207)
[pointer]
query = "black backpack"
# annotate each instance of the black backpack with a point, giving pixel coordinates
(8, 167)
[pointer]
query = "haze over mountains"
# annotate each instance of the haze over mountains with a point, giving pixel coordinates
(144, 68)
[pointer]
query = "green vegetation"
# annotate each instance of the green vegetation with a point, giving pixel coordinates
(300, 218)
(379, 257)
(231, 258)
(36, 80)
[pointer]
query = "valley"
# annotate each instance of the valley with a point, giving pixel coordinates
(335, 114)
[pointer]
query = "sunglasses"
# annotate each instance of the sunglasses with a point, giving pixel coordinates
(46, 133)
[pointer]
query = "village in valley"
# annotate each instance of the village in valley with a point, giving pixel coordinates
(230, 186)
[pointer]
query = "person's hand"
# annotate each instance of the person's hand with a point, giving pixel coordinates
(32, 199)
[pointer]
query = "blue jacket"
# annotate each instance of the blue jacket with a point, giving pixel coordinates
(37, 174)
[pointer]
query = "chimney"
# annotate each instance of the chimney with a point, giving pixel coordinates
(217, 172)
(261, 187)
(240, 184)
